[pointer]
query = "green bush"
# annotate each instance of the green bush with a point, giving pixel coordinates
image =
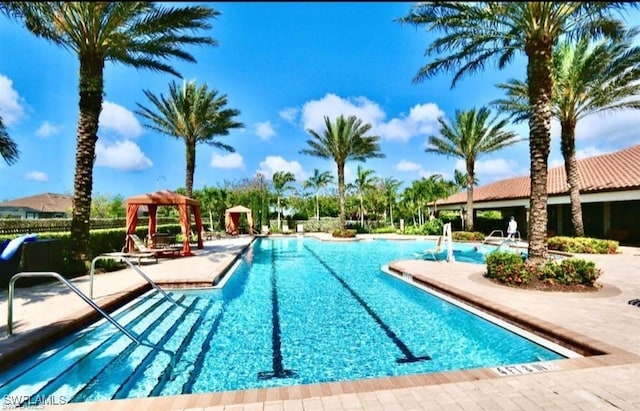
(572, 271)
(384, 230)
(431, 227)
(508, 268)
(467, 236)
(344, 234)
(582, 245)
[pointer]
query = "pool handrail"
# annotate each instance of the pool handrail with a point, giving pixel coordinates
(113, 256)
(72, 288)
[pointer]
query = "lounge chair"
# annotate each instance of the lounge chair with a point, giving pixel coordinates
(169, 252)
(285, 229)
(300, 228)
(431, 252)
(265, 230)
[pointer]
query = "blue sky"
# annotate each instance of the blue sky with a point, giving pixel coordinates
(284, 66)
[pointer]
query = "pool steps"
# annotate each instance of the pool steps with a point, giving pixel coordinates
(61, 373)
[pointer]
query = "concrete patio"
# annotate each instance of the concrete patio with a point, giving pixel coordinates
(603, 319)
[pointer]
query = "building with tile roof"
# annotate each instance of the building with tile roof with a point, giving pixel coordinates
(609, 193)
(45, 205)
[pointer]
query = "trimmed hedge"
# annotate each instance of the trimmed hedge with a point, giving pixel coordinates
(467, 236)
(583, 245)
(344, 234)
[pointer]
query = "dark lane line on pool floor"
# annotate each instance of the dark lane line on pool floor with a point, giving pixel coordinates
(408, 355)
(276, 342)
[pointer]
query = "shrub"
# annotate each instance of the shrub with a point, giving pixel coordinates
(344, 234)
(384, 230)
(572, 271)
(582, 245)
(508, 268)
(467, 236)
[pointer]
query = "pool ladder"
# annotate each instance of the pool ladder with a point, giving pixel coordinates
(87, 299)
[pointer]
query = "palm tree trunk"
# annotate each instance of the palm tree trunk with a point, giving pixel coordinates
(317, 207)
(361, 212)
(278, 206)
(191, 167)
(391, 214)
(539, 74)
(91, 87)
(568, 146)
(470, 178)
(343, 222)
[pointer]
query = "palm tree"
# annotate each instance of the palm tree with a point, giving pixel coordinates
(317, 182)
(475, 33)
(343, 140)
(587, 80)
(139, 34)
(390, 188)
(193, 114)
(281, 180)
(8, 147)
(471, 135)
(364, 182)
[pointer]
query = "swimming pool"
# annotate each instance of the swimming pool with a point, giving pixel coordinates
(295, 311)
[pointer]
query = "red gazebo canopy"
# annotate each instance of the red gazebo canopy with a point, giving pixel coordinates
(164, 198)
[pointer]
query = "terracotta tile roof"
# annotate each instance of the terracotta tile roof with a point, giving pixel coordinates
(617, 171)
(45, 202)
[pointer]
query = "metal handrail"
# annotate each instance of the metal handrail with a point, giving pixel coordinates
(491, 237)
(72, 288)
(136, 269)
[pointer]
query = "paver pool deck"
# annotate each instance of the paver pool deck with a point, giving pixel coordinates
(603, 319)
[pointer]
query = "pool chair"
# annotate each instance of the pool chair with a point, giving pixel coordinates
(285, 229)
(431, 252)
(265, 230)
(168, 252)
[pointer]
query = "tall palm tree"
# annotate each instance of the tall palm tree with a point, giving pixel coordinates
(343, 140)
(145, 35)
(8, 147)
(475, 33)
(364, 182)
(194, 114)
(587, 80)
(471, 135)
(316, 182)
(281, 180)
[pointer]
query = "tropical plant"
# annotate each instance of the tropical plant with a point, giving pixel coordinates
(343, 140)
(469, 136)
(194, 114)
(281, 180)
(364, 182)
(475, 33)
(144, 35)
(390, 186)
(8, 147)
(316, 182)
(587, 80)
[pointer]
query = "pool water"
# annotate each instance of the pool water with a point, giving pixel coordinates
(295, 311)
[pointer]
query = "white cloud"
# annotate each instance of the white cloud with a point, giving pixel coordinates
(314, 111)
(492, 170)
(265, 130)
(116, 118)
(405, 165)
(590, 151)
(11, 104)
(289, 114)
(47, 129)
(232, 160)
(271, 164)
(422, 120)
(36, 176)
(122, 155)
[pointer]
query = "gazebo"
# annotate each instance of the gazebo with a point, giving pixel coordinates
(232, 217)
(164, 198)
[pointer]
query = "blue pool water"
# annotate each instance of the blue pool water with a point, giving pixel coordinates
(295, 311)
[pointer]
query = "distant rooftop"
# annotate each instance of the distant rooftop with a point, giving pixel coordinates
(616, 171)
(45, 202)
